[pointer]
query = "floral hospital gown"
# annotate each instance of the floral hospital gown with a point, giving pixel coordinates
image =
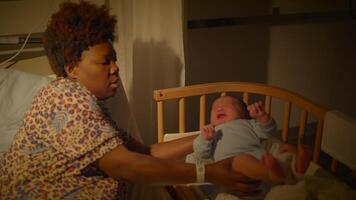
(63, 133)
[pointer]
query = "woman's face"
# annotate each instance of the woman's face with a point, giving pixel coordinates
(97, 70)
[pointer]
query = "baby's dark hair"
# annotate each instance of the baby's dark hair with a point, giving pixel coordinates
(242, 107)
(73, 29)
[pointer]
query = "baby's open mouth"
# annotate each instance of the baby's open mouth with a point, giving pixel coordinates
(221, 115)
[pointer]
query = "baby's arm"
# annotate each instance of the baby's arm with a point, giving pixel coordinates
(264, 125)
(257, 111)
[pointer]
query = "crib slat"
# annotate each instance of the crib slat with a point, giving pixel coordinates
(202, 110)
(160, 122)
(302, 124)
(286, 117)
(181, 115)
(268, 101)
(317, 143)
(245, 97)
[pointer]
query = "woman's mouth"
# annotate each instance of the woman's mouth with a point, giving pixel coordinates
(114, 83)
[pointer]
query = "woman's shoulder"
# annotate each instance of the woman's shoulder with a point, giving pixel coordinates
(64, 91)
(65, 87)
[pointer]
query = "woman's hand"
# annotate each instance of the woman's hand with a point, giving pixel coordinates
(221, 173)
(303, 155)
(288, 148)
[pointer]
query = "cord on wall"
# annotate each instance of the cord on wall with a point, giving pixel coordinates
(9, 40)
(18, 39)
(18, 52)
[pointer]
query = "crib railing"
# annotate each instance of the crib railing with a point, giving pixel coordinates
(289, 98)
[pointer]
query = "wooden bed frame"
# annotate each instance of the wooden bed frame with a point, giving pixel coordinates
(246, 90)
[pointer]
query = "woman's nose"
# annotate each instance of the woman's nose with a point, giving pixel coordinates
(114, 68)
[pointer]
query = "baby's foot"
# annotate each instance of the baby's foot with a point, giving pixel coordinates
(275, 171)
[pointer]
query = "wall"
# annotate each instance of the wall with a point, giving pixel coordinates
(313, 59)
(151, 55)
(22, 17)
(316, 60)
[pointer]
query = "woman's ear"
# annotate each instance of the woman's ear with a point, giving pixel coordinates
(71, 71)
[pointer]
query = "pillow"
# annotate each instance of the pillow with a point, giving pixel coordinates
(17, 90)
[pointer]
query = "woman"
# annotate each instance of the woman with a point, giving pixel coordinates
(67, 146)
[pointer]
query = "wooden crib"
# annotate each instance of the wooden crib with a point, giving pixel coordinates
(288, 99)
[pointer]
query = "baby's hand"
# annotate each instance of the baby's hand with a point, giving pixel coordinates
(257, 111)
(208, 132)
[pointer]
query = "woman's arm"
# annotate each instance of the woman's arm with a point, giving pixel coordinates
(136, 167)
(174, 149)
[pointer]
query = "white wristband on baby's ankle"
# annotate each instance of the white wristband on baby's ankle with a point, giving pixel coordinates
(200, 171)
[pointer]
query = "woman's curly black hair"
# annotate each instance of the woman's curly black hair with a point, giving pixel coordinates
(73, 29)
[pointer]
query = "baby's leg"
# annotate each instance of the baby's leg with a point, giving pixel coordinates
(302, 153)
(304, 156)
(255, 169)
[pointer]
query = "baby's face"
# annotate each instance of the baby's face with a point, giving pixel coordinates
(224, 109)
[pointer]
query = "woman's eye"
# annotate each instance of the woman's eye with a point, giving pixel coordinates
(107, 62)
